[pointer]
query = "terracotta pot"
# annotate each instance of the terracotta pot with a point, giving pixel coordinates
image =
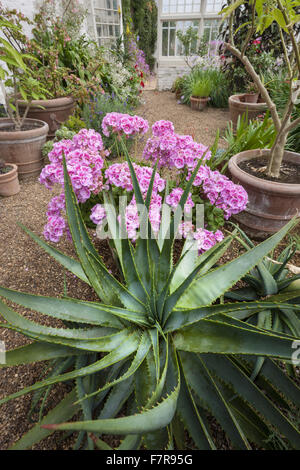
(198, 104)
(24, 148)
(54, 112)
(271, 205)
(9, 183)
(251, 97)
(238, 107)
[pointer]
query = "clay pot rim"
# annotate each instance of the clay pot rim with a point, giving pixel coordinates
(14, 168)
(202, 98)
(236, 99)
(20, 135)
(260, 183)
(50, 103)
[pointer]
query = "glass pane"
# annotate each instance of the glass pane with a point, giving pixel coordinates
(165, 42)
(172, 42)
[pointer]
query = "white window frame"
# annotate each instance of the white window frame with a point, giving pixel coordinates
(201, 16)
(103, 40)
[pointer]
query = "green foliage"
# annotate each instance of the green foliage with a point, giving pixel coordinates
(141, 15)
(263, 56)
(16, 75)
(171, 354)
(202, 88)
(219, 85)
(63, 133)
(255, 134)
(270, 277)
(279, 89)
(94, 113)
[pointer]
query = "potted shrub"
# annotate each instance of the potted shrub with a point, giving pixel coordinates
(9, 183)
(21, 139)
(271, 177)
(201, 90)
(177, 87)
(65, 68)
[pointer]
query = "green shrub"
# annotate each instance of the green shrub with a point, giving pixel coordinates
(219, 86)
(96, 110)
(202, 88)
(171, 354)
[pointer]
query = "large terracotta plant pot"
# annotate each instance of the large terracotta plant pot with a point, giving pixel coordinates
(198, 104)
(54, 112)
(238, 106)
(271, 204)
(24, 148)
(9, 183)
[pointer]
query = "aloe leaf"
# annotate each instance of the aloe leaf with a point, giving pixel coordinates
(239, 310)
(113, 224)
(208, 288)
(140, 355)
(37, 352)
(165, 302)
(146, 421)
(111, 284)
(219, 337)
(191, 418)
(118, 396)
(65, 309)
(64, 410)
(69, 263)
(244, 387)
(131, 274)
(126, 348)
(278, 379)
(204, 385)
(190, 260)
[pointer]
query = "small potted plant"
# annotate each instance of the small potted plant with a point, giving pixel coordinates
(9, 182)
(21, 139)
(177, 87)
(251, 95)
(201, 90)
(67, 70)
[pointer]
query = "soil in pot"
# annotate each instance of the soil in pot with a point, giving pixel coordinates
(289, 172)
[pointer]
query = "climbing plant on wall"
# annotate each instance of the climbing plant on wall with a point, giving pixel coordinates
(141, 17)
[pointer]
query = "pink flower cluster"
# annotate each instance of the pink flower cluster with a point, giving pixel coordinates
(206, 239)
(173, 150)
(84, 159)
(119, 123)
(119, 175)
(221, 191)
(174, 197)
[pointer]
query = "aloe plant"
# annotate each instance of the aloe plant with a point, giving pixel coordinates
(158, 344)
(270, 277)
